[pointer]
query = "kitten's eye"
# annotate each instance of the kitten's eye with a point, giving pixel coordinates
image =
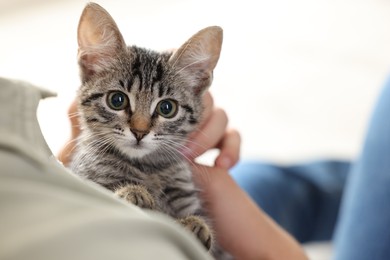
(117, 100)
(167, 108)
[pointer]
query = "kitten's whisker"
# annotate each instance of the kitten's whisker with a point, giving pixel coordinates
(185, 148)
(100, 143)
(169, 143)
(74, 114)
(77, 144)
(202, 171)
(203, 174)
(76, 126)
(200, 131)
(168, 148)
(70, 152)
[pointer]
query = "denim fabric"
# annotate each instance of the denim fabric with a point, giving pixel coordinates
(332, 199)
(363, 229)
(304, 199)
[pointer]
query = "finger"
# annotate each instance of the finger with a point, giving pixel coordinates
(229, 149)
(74, 119)
(66, 151)
(208, 103)
(209, 135)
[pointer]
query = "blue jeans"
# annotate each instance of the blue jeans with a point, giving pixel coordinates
(330, 199)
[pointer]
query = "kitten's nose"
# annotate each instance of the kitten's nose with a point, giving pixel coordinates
(138, 134)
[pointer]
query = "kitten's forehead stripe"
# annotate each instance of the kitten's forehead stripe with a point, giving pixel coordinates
(129, 84)
(169, 90)
(140, 83)
(160, 90)
(152, 87)
(148, 67)
(136, 64)
(136, 71)
(159, 72)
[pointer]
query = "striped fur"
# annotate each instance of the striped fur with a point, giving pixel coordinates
(113, 150)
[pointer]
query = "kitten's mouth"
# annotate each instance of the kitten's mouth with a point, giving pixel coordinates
(138, 146)
(135, 149)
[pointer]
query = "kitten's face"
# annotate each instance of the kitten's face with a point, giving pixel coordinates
(140, 106)
(140, 101)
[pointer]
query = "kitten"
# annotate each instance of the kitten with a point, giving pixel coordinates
(136, 109)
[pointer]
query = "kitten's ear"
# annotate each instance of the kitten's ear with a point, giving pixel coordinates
(99, 40)
(198, 57)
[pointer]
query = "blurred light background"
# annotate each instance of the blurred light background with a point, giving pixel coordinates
(297, 78)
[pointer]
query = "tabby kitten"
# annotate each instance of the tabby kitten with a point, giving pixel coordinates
(136, 108)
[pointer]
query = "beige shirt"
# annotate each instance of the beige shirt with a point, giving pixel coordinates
(46, 212)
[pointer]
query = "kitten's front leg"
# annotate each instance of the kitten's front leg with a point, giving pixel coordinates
(137, 195)
(199, 228)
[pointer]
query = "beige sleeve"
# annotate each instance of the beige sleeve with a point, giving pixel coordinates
(47, 213)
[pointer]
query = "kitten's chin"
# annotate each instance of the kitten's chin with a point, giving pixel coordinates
(136, 151)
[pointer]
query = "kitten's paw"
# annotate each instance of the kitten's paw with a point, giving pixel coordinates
(137, 195)
(200, 229)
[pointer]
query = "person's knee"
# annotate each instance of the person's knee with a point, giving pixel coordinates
(287, 198)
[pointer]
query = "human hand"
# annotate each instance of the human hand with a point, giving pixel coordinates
(65, 153)
(241, 227)
(213, 133)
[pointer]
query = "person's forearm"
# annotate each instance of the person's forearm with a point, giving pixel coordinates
(251, 233)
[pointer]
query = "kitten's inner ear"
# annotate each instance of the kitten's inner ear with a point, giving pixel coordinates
(99, 40)
(197, 58)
